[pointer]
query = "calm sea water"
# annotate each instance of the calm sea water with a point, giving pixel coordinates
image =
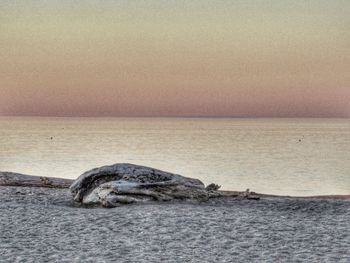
(278, 156)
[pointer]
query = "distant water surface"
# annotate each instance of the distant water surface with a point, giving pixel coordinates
(279, 156)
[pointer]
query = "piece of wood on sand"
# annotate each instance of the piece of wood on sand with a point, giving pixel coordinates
(17, 179)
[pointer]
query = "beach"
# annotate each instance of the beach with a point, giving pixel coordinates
(279, 158)
(44, 225)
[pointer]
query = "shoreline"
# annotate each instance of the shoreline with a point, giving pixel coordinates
(23, 180)
(238, 193)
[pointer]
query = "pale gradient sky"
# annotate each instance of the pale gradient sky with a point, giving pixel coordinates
(240, 58)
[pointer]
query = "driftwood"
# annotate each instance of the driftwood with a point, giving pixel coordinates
(17, 179)
(118, 184)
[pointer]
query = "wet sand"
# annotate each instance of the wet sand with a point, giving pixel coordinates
(43, 225)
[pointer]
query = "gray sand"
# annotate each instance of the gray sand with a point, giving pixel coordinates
(42, 225)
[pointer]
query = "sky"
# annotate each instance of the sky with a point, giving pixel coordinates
(240, 58)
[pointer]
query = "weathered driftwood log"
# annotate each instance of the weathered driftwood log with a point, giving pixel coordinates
(17, 179)
(117, 184)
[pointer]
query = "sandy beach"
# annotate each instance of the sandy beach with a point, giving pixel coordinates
(44, 225)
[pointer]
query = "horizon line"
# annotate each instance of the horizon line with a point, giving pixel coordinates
(176, 116)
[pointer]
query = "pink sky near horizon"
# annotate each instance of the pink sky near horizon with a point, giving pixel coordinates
(175, 58)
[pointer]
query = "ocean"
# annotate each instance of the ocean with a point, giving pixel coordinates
(298, 157)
